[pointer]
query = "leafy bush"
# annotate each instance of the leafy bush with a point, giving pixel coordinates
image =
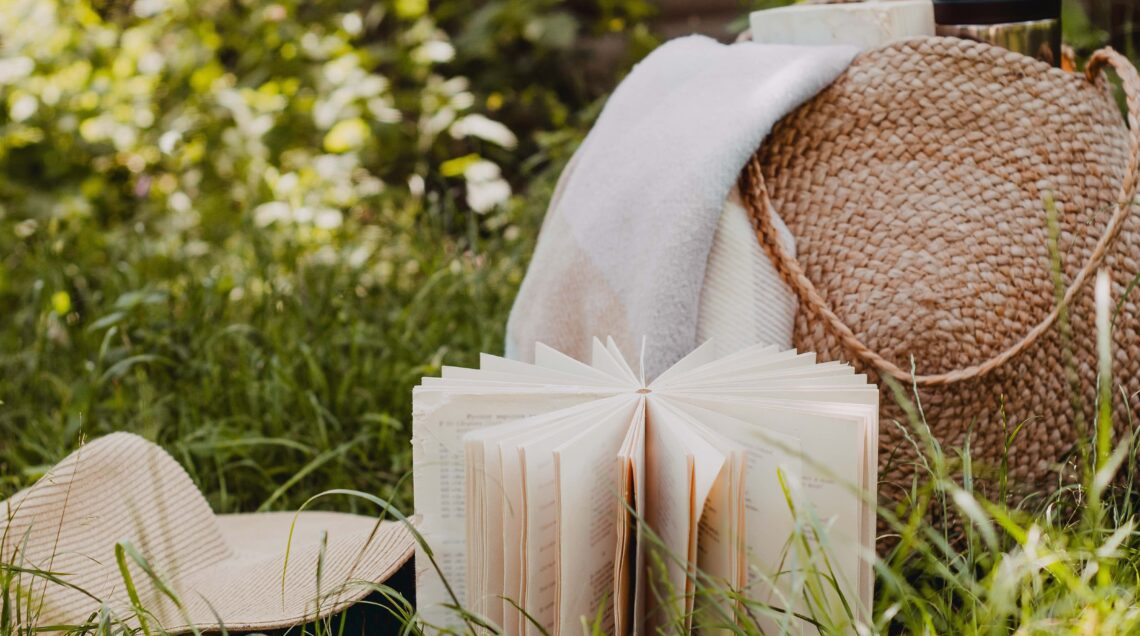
(246, 228)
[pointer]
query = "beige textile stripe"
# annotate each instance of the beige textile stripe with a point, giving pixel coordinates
(247, 591)
(743, 299)
(118, 487)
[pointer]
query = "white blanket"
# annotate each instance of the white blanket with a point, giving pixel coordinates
(629, 236)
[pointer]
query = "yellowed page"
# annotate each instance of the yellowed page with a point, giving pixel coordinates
(768, 521)
(628, 559)
(540, 502)
(523, 373)
(549, 358)
(617, 354)
(506, 441)
(514, 521)
(832, 456)
(476, 529)
(799, 367)
(749, 361)
(721, 557)
(440, 421)
(721, 542)
(489, 500)
(696, 359)
(513, 597)
(870, 514)
(603, 359)
(681, 469)
(587, 498)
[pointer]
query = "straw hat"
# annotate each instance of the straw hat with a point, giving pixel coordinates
(222, 568)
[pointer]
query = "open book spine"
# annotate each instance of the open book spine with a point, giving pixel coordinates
(560, 492)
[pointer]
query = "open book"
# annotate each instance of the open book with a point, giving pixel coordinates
(574, 490)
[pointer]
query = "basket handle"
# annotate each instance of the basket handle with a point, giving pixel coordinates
(759, 205)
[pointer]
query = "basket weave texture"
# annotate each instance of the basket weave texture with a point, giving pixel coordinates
(917, 188)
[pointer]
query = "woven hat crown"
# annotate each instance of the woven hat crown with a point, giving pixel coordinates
(117, 487)
(201, 570)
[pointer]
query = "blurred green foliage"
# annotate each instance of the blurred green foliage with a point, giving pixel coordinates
(166, 106)
(246, 228)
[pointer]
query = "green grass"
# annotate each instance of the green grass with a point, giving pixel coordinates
(267, 374)
(1067, 564)
(303, 387)
(298, 383)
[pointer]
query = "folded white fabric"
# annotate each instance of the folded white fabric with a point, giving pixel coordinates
(628, 236)
(743, 299)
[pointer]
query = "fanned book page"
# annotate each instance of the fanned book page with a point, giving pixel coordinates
(727, 490)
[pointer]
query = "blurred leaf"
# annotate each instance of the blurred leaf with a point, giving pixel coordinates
(61, 303)
(411, 9)
(456, 167)
(346, 135)
(555, 30)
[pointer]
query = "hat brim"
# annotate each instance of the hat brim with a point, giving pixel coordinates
(254, 590)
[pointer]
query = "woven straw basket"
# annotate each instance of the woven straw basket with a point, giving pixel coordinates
(916, 188)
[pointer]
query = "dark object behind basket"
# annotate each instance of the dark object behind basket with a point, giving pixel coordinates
(1031, 27)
